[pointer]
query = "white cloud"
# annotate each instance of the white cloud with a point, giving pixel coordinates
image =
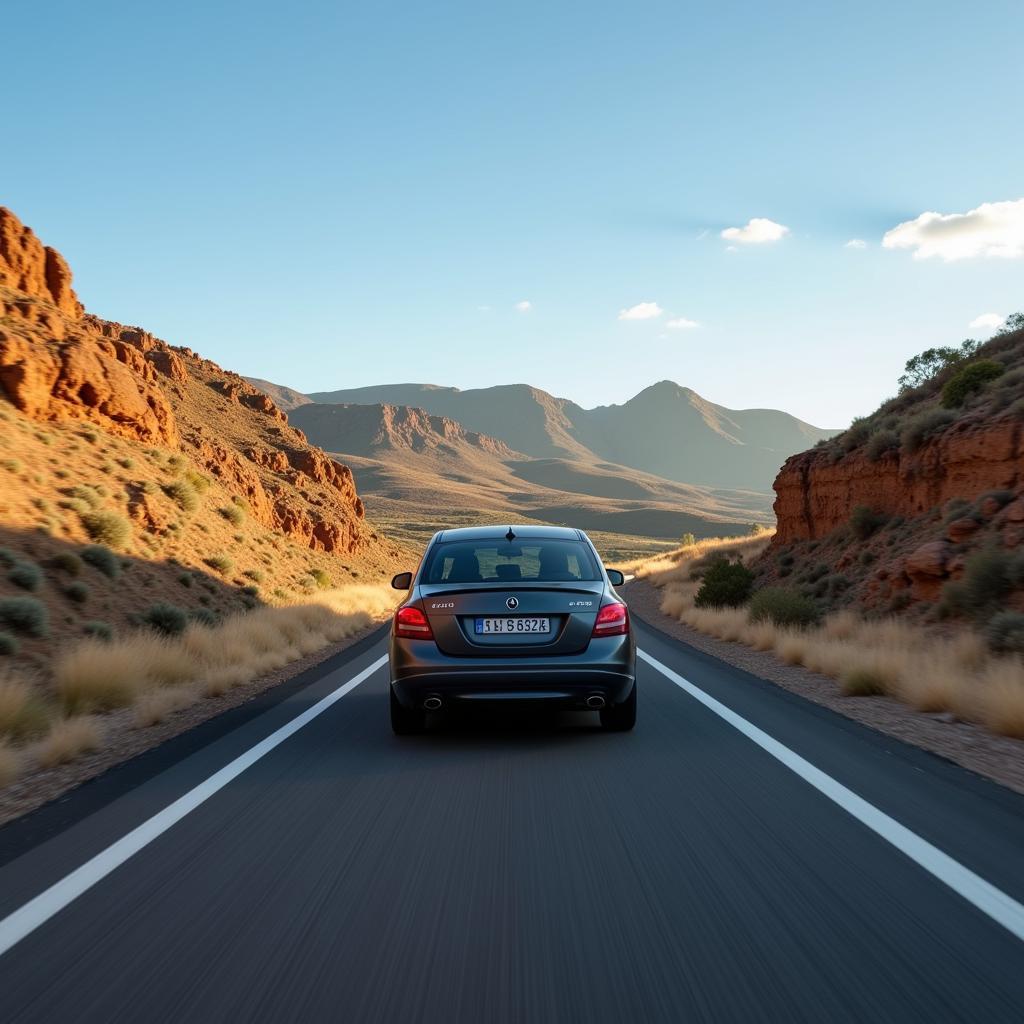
(992, 229)
(525, 306)
(680, 323)
(641, 311)
(988, 321)
(756, 231)
(856, 243)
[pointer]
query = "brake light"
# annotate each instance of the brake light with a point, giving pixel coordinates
(612, 620)
(411, 623)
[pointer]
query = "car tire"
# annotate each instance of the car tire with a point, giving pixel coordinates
(403, 721)
(620, 717)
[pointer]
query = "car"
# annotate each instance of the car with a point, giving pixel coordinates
(511, 615)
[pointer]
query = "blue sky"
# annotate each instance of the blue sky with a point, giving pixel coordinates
(331, 195)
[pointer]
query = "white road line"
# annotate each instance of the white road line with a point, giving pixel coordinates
(986, 897)
(39, 910)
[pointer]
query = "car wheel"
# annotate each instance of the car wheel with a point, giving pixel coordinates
(403, 721)
(621, 717)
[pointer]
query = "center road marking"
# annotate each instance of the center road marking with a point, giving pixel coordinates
(39, 910)
(993, 902)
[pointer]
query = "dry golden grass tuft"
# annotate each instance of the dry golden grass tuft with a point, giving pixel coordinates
(155, 705)
(67, 739)
(22, 712)
(930, 671)
(10, 764)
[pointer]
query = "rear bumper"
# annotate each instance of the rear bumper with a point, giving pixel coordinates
(419, 670)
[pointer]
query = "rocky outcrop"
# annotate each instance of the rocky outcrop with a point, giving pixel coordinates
(815, 493)
(58, 363)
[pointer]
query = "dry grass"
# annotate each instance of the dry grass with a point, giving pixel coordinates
(22, 712)
(157, 676)
(930, 671)
(68, 739)
(10, 764)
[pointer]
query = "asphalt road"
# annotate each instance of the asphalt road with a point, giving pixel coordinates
(521, 871)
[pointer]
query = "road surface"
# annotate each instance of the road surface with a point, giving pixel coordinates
(743, 855)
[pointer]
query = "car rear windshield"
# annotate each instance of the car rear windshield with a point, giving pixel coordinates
(499, 561)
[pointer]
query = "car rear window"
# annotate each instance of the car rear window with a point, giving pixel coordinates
(498, 561)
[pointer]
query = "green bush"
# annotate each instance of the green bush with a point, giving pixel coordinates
(725, 584)
(166, 618)
(200, 483)
(323, 581)
(77, 591)
(126, 463)
(254, 574)
(687, 540)
(973, 377)
(185, 579)
(220, 563)
(102, 558)
(989, 575)
(234, 514)
(90, 495)
(856, 435)
(183, 494)
(922, 426)
(68, 562)
(783, 607)
(881, 443)
(865, 521)
(99, 630)
(26, 575)
(9, 558)
(933, 361)
(8, 643)
(1005, 633)
(203, 616)
(25, 614)
(107, 528)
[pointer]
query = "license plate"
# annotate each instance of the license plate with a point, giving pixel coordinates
(517, 624)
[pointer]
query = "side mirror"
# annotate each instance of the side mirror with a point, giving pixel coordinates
(615, 578)
(403, 581)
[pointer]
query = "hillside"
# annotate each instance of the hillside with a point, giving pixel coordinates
(136, 474)
(666, 430)
(283, 397)
(919, 507)
(416, 471)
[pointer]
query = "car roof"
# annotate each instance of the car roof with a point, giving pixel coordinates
(500, 532)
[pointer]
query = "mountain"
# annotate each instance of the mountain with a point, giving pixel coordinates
(667, 430)
(416, 471)
(369, 430)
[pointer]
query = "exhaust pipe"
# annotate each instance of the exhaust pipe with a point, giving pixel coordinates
(596, 701)
(432, 704)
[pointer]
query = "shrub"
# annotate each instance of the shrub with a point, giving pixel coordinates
(11, 465)
(203, 616)
(922, 368)
(973, 377)
(102, 558)
(166, 618)
(322, 580)
(99, 630)
(9, 558)
(880, 443)
(183, 494)
(90, 495)
(77, 591)
(74, 505)
(783, 607)
(865, 521)
(67, 739)
(126, 463)
(26, 575)
(68, 562)
(988, 577)
(725, 584)
(1005, 633)
(1001, 498)
(185, 579)
(107, 528)
(200, 484)
(254, 574)
(922, 426)
(25, 614)
(8, 643)
(862, 681)
(22, 713)
(220, 563)
(856, 435)
(233, 514)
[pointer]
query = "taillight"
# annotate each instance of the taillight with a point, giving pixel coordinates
(612, 620)
(411, 623)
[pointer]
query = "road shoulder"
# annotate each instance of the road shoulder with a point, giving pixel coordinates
(997, 758)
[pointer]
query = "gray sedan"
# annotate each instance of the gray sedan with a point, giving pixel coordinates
(511, 614)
